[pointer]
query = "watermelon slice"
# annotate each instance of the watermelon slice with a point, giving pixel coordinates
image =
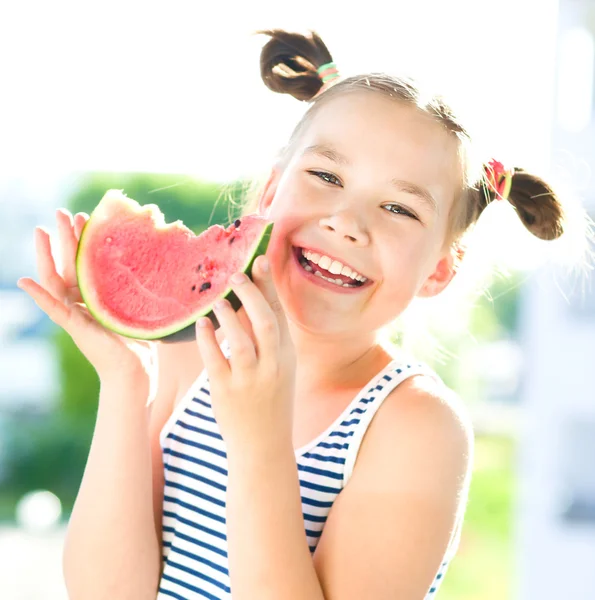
(146, 279)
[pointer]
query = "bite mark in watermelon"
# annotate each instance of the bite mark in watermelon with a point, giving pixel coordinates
(147, 279)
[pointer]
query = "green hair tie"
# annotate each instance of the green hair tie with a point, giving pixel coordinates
(327, 72)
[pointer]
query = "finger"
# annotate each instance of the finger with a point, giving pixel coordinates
(80, 220)
(260, 314)
(243, 352)
(68, 246)
(57, 311)
(213, 359)
(46, 266)
(264, 280)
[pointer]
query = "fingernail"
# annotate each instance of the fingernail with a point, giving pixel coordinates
(203, 322)
(220, 305)
(238, 278)
(264, 264)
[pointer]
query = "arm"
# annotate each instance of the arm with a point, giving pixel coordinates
(111, 548)
(113, 545)
(403, 503)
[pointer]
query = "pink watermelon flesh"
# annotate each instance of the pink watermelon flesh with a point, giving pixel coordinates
(145, 279)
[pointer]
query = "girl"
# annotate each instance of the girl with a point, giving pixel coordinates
(290, 455)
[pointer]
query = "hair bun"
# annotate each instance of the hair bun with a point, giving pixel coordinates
(537, 205)
(289, 63)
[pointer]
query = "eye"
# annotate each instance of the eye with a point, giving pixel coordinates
(328, 177)
(399, 210)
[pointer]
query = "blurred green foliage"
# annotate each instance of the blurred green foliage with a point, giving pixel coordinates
(197, 203)
(483, 566)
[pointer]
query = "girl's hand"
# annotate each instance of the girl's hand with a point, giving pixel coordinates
(59, 297)
(252, 393)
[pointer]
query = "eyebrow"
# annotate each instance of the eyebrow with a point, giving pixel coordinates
(404, 186)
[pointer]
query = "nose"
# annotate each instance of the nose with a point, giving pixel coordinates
(346, 227)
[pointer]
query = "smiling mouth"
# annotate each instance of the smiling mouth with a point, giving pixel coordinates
(337, 279)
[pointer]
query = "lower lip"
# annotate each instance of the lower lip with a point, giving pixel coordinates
(297, 252)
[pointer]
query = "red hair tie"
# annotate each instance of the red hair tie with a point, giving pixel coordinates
(499, 179)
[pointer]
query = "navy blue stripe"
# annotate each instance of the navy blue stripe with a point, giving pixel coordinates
(198, 461)
(367, 400)
(166, 545)
(314, 534)
(184, 488)
(200, 511)
(198, 430)
(170, 593)
(348, 423)
(312, 549)
(173, 515)
(336, 459)
(216, 485)
(192, 540)
(189, 587)
(333, 445)
(317, 503)
(359, 411)
(319, 488)
(199, 401)
(314, 518)
(322, 472)
(200, 416)
(200, 559)
(205, 391)
(343, 434)
(200, 575)
(188, 442)
(387, 378)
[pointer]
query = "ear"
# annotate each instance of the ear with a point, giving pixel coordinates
(443, 274)
(268, 192)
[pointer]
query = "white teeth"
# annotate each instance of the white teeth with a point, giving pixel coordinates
(335, 281)
(333, 266)
(325, 262)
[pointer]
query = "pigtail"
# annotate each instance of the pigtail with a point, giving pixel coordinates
(536, 204)
(289, 63)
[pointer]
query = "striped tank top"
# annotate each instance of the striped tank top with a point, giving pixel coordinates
(194, 543)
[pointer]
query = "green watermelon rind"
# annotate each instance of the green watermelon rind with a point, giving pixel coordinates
(180, 331)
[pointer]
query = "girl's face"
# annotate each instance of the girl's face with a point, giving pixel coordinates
(369, 184)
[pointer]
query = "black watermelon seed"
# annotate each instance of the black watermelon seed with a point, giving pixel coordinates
(237, 222)
(193, 287)
(198, 268)
(205, 286)
(231, 240)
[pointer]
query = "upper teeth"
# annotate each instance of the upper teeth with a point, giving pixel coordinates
(333, 266)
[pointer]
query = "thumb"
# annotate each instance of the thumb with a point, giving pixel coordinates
(57, 311)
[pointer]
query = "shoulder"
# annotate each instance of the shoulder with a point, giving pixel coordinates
(422, 432)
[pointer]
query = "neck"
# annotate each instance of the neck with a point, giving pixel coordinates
(336, 362)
